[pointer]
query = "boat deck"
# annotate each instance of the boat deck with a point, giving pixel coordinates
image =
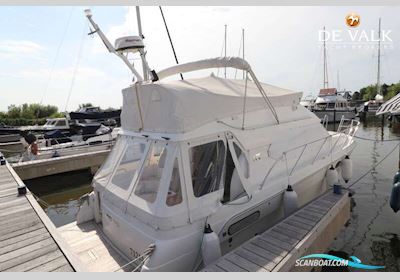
(27, 240)
(91, 246)
(309, 230)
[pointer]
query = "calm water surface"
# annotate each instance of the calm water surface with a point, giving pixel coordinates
(372, 233)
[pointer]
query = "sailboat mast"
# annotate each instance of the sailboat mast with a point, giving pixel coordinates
(326, 84)
(225, 40)
(378, 82)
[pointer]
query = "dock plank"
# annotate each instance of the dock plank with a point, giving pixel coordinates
(50, 265)
(244, 263)
(65, 268)
(44, 251)
(257, 259)
(25, 239)
(31, 264)
(229, 266)
(277, 248)
(26, 242)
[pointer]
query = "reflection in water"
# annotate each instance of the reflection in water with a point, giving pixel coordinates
(371, 234)
(59, 194)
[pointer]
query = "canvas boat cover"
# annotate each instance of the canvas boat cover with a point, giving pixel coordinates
(390, 106)
(183, 105)
(95, 115)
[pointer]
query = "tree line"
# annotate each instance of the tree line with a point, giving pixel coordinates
(31, 114)
(369, 92)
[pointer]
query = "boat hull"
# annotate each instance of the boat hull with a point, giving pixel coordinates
(334, 116)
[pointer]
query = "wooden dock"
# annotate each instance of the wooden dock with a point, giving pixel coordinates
(309, 230)
(45, 167)
(28, 239)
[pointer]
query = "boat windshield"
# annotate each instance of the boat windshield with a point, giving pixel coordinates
(104, 173)
(129, 164)
(150, 177)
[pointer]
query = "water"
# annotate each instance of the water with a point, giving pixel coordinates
(59, 194)
(372, 234)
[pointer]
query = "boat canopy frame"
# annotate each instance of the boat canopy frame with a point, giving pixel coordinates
(219, 62)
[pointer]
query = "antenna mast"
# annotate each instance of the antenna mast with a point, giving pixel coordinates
(142, 52)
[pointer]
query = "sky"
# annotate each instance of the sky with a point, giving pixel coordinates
(47, 57)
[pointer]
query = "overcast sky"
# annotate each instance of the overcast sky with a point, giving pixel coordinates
(282, 46)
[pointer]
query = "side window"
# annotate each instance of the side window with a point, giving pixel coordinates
(174, 196)
(108, 166)
(61, 123)
(233, 185)
(129, 165)
(206, 163)
(149, 181)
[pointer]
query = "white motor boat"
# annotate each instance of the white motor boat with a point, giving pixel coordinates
(103, 140)
(330, 106)
(209, 153)
(308, 102)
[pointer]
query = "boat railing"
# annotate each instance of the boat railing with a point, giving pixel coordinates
(339, 139)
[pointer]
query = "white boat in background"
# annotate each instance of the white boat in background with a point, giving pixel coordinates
(205, 157)
(332, 106)
(102, 140)
(308, 102)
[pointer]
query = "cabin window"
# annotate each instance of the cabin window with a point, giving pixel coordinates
(61, 123)
(206, 163)
(128, 165)
(149, 181)
(174, 196)
(233, 185)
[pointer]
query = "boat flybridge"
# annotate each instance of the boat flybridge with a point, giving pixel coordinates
(202, 165)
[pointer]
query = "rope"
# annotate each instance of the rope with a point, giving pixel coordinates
(170, 39)
(374, 166)
(54, 62)
(146, 254)
(47, 205)
(78, 59)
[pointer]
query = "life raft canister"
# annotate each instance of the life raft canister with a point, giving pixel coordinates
(395, 197)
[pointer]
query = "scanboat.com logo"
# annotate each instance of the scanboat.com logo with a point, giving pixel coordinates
(329, 260)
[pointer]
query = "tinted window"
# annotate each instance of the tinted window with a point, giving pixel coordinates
(61, 123)
(206, 163)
